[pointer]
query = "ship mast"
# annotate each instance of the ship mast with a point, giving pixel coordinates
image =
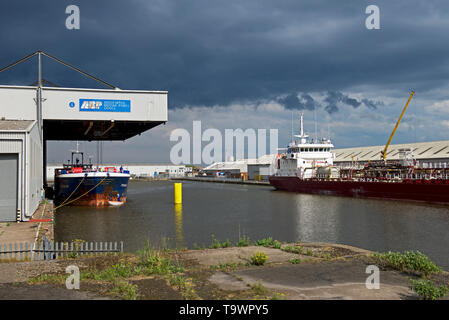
(302, 136)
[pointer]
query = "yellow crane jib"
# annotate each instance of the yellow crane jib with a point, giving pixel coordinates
(384, 152)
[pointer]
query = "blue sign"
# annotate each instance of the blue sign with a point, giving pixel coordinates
(101, 105)
(72, 104)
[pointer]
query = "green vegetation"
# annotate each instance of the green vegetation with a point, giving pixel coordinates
(278, 296)
(309, 252)
(295, 261)
(244, 241)
(126, 290)
(227, 266)
(185, 286)
(259, 289)
(269, 243)
(217, 244)
(259, 258)
(427, 290)
(293, 249)
(154, 262)
(407, 261)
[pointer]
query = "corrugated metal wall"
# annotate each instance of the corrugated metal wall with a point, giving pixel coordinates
(28, 148)
(12, 143)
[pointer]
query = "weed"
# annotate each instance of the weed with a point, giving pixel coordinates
(295, 261)
(126, 290)
(185, 286)
(278, 296)
(259, 289)
(267, 242)
(244, 241)
(227, 266)
(427, 290)
(259, 258)
(408, 261)
(154, 262)
(309, 252)
(296, 249)
(217, 244)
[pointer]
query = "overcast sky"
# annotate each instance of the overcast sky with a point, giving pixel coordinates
(248, 64)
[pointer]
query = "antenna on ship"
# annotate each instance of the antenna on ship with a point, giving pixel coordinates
(302, 135)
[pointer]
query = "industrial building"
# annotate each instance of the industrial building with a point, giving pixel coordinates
(434, 154)
(252, 169)
(32, 115)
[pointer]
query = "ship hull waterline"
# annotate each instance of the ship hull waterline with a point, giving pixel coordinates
(95, 190)
(421, 191)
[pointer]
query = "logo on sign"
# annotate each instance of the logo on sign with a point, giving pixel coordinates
(101, 105)
(72, 104)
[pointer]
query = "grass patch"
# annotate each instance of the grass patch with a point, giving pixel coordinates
(259, 289)
(268, 243)
(427, 290)
(407, 261)
(293, 249)
(126, 290)
(244, 241)
(295, 261)
(185, 286)
(48, 278)
(217, 244)
(227, 266)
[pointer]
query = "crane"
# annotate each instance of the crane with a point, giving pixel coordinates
(384, 152)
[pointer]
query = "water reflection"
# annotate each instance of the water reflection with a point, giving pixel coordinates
(178, 226)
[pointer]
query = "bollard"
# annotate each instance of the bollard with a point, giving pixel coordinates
(178, 193)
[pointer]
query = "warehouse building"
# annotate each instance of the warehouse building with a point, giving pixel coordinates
(252, 169)
(434, 154)
(21, 169)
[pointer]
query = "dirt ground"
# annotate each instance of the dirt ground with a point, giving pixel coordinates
(320, 271)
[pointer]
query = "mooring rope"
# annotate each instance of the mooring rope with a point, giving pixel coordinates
(64, 204)
(73, 191)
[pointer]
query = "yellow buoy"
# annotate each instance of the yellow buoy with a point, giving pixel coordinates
(178, 193)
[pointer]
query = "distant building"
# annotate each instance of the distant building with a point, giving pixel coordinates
(434, 154)
(253, 169)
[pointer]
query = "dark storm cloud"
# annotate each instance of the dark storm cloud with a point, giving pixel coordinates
(331, 101)
(217, 52)
(292, 102)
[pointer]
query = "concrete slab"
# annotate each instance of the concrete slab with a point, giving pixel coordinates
(210, 257)
(328, 280)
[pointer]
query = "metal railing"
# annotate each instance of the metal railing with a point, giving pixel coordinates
(48, 250)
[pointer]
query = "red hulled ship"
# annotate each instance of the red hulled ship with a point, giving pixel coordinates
(307, 167)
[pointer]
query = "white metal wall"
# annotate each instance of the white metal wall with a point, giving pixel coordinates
(33, 172)
(18, 103)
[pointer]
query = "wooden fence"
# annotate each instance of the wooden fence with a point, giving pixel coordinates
(48, 250)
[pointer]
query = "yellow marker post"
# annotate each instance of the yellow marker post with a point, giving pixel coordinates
(178, 193)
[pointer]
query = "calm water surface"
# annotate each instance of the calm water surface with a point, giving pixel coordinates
(224, 211)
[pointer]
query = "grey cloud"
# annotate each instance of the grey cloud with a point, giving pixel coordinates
(305, 101)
